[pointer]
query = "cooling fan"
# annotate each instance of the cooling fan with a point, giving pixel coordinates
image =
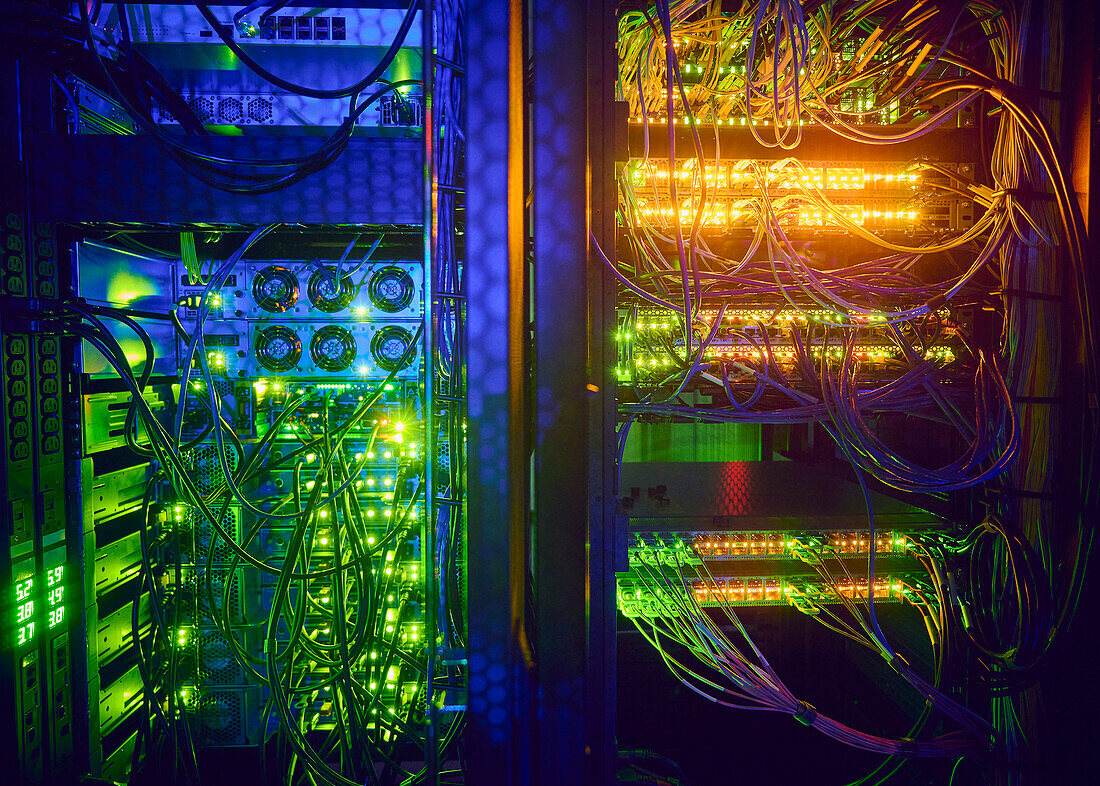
(275, 289)
(391, 289)
(278, 348)
(333, 348)
(327, 295)
(389, 347)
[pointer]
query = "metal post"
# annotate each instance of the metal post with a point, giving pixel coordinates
(562, 428)
(495, 280)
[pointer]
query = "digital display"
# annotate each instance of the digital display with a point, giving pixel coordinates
(56, 595)
(25, 606)
(23, 590)
(25, 633)
(24, 611)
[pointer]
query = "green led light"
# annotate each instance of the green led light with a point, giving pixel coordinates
(24, 611)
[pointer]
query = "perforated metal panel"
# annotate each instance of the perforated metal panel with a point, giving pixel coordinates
(204, 536)
(207, 467)
(220, 718)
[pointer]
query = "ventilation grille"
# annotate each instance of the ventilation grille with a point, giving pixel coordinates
(223, 387)
(443, 456)
(220, 719)
(231, 111)
(207, 467)
(215, 109)
(217, 663)
(229, 608)
(204, 534)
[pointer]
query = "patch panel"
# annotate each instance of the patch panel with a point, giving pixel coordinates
(399, 111)
(899, 196)
(652, 345)
(714, 72)
(747, 177)
(646, 600)
(713, 546)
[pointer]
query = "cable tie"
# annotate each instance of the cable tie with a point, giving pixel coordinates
(907, 746)
(1013, 492)
(1026, 193)
(936, 303)
(805, 713)
(897, 663)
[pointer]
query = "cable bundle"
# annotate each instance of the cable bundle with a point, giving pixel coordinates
(843, 339)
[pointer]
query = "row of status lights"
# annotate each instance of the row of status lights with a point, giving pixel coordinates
(716, 218)
(871, 354)
(846, 178)
(660, 322)
(718, 121)
(738, 316)
(735, 590)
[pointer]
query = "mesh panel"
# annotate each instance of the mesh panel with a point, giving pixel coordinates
(218, 664)
(204, 534)
(232, 605)
(203, 107)
(220, 717)
(443, 456)
(208, 471)
(259, 110)
(231, 110)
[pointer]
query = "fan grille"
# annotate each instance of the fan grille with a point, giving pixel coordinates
(231, 110)
(275, 289)
(278, 348)
(333, 348)
(203, 107)
(328, 296)
(220, 716)
(391, 289)
(204, 533)
(389, 346)
(259, 110)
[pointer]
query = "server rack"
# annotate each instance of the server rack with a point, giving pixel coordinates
(550, 523)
